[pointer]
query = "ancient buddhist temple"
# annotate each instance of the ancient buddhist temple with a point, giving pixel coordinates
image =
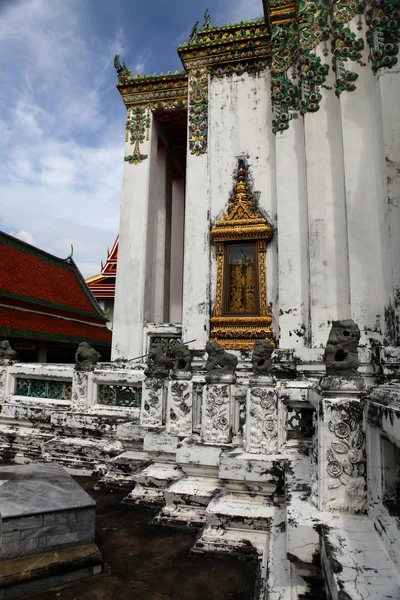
(252, 394)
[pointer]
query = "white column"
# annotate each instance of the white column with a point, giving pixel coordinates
(156, 245)
(293, 272)
(196, 267)
(368, 232)
(328, 254)
(389, 84)
(177, 243)
(132, 305)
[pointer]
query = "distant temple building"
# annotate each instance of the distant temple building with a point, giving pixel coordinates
(46, 308)
(253, 392)
(102, 285)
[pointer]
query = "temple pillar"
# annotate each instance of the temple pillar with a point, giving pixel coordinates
(196, 268)
(293, 272)
(132, 302)
(177, 242)
(366, 195)
(328, 253)
(389, 87)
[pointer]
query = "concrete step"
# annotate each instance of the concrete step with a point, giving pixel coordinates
(151, 483)
(240, 511)
(81, 455)
(187, 500)
(121, 468)
(244, 544)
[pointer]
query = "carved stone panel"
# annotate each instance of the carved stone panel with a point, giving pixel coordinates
(179, 407)
(3, 376)
(261, 420)
(216, 413)
(152, 402)
(342, 460)
(80, 384)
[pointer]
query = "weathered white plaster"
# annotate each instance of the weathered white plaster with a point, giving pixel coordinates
(293, 267)
(328, 254)
(366, 194)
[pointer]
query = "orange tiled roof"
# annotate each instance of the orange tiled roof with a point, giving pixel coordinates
(29, 325)
(55, 300)
(30, 274)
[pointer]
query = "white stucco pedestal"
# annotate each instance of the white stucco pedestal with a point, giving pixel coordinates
(153, 392)
(179, 404)
(341, 445)
(216, 409)
(261, 416)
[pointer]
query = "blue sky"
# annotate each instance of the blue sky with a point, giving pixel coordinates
(62, 121)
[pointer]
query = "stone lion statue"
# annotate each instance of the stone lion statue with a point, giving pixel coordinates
(341, 352)
(6, 352)
(86, 356)
(182, 358)
(158, 363)
(219, 360)
(262, 357)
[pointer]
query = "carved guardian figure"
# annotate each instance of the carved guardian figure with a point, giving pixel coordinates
(341, 352)
(262, 357)
(6, 352)
(219, 361)
(86, 356)
(182, 358)
(158, 363)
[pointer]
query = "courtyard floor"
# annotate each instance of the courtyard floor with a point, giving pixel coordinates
(152, 563)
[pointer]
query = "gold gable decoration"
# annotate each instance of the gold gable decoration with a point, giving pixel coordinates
(241, 238)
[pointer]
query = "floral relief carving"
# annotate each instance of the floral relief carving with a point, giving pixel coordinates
(152, 402)
(346, 466)
(180, 408)
(79, 390)
(262, 423)
(216, 417)
(3, 375)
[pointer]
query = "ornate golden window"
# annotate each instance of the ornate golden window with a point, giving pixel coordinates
(241, 312)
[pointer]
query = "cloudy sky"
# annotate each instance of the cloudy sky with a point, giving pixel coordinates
(62, 121)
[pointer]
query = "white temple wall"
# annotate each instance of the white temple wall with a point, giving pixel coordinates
(240, 125)
(368, 243)
(132, 305)
(177, 244)
(328, 253)
(389, 87)
(293, 267)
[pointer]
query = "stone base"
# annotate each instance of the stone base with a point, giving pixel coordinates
(39, 572)
(151, 484)
(81, 456)
(121, 469)
(187, 500)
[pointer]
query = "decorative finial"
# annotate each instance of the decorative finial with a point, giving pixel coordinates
(71, 253)
(207, 20)
(193, 34)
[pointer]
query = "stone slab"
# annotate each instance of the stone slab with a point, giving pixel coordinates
(39, 488)
(35, 573)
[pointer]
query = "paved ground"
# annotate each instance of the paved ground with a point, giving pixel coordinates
(145, 563)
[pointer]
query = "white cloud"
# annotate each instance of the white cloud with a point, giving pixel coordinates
(62, 128)
(25, 236)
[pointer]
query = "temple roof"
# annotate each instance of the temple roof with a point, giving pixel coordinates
(102, 285)
(46, 297)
